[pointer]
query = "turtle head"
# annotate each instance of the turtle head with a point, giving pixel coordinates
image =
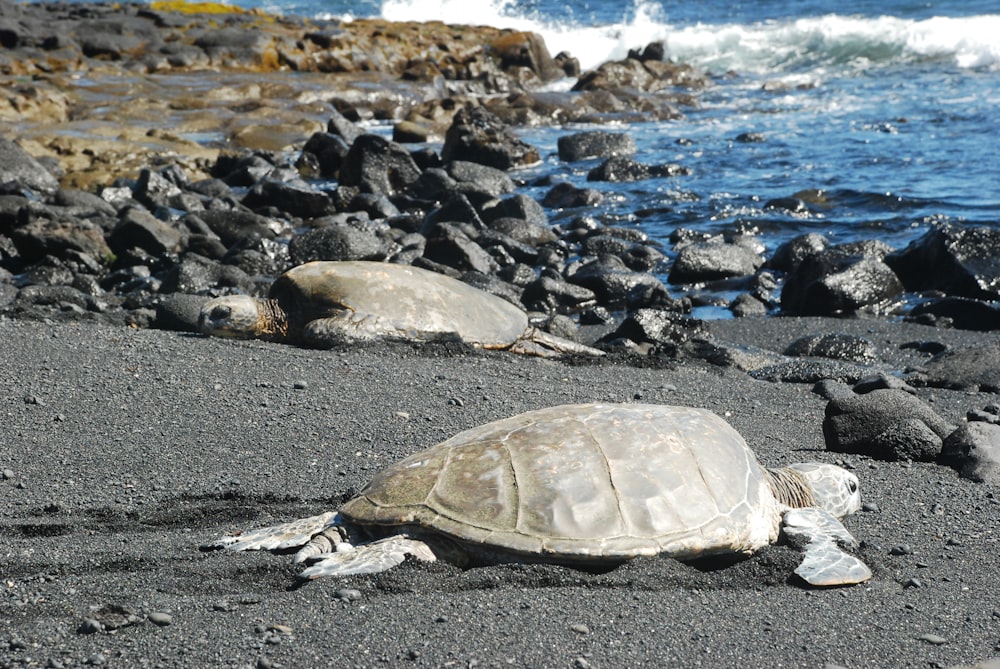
(231, 316)
(833, 488)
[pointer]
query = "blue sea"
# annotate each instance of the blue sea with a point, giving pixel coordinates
(885, 115)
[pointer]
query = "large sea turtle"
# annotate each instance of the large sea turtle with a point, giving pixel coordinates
(581, 484)
(325, 303)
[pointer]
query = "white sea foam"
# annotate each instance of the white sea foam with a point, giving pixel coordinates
(776, 46)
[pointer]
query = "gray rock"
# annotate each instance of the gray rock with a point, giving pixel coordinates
(620, 169)
(478, 136)
(664, 328)
(19, 166)
(494, 181)
(450, 246)
(137, 228)
(973, 450)
(836, 283)
(839, 346)
(567, 196)
(885, 424)
(337, 241)
(976, 368)
(713, 259)
(595, 144)
(958, 260)
(376, 165)
(296, 198)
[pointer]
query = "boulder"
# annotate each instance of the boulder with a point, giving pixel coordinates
(957, 260)
(376, 165)
(19, 166)
(837, 282)
(621, 168)
(974, 451)
(337, 241)
(886, 425)
(714, 259)
(477, 135)
(595, 144)
(838, 345)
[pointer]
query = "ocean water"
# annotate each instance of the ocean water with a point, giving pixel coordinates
(885, 115)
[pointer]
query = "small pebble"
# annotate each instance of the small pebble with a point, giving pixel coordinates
(913, 583)
(280, 629)
(580, 628)
(300, 385)
(90, 626)
(264, 663)
(348, 594)
(8, 474)
(581, 663)
(901, 549)
(870, 507)
(160, 619)
(457, 401)
(933, 639)
(97, 660)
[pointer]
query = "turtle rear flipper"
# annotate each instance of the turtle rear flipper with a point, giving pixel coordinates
(545, 345)
(278, 537)
(369, 558)
(819, 534)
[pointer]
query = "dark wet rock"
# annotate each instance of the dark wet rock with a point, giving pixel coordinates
(788, 256)
(616, 286)
(882, 381)
(633, 73)
(433, 185)
(242, 170)
(456, 209)
(829, 389)
(838, 282)
(523, 231)
(20, 167)
(338, 240)
(811, 371)
(376, 206)
(957, 260)
(747, 305)
(411, 132)
(751, 138)
(517, 206)
(567, 196)
(490, 283)
(839, 346)
(620, 168)
(492, 180)
(974, 451)
(595, 144)
(569, 65)
(376, 165)
(179, 311)
(789, 204)
(477, 135)
(295, 198)
(42, 236)
(965, 369)
(234, 225)
(154, 189)
(338, 124)
(329, 150)
(663, 328)
(714, 259)
(505, 249)
(194, 274)
(958, 312)
(449, 245)
(885, 424)
(137, 228)
(552, 293)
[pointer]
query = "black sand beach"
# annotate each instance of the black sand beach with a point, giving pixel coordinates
(124, 450)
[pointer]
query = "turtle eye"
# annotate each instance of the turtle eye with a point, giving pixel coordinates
(221, 313)
(852, 486)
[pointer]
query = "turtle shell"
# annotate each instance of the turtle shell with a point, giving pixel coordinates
(404, 299)
(584, 482)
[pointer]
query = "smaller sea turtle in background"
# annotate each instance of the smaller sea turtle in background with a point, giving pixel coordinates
(326, 303)
(582, 484)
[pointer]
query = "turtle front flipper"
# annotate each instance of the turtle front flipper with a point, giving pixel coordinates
(545, 345)
(820, 535)
(350, 327)
(278, 537)
(369, 558)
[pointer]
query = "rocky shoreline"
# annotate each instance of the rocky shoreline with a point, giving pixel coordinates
(157, 158)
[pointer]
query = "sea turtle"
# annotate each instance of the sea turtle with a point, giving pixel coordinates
(581, 484)
(325, 303)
